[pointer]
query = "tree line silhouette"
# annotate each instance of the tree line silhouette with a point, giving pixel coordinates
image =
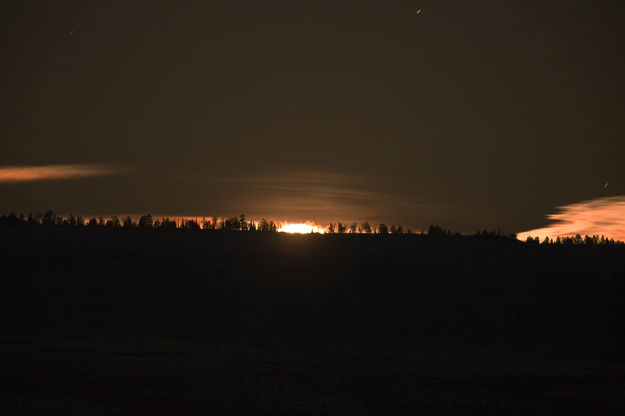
(241, 223)
(234, 223)
(577, 240)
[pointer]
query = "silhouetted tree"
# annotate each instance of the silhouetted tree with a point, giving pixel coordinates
(382, 229)
(242, 222)
(49, 218)
(168, 224)
(209, 224)
(145, 221)
(353, 227)
(331, 228)
(231, 224)
(9, 221)
(436, 231)
(128, 223)
(340, 228)
(366, 227)
(263, 225)
(192, 225)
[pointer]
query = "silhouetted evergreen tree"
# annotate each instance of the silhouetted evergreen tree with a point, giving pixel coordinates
(145, 221)
(436, 231)
(243, 226)
(49, 218)
(209, 224)
(341, 228)
(232, 224)
(192, 225)
(128, 223)
(366, 228)
(167, 224)
(263, 225)
(331, 228)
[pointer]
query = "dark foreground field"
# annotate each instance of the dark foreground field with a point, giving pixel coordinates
(105, 321)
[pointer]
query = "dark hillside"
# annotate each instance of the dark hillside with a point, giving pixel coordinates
(112, 321)
(356, 291)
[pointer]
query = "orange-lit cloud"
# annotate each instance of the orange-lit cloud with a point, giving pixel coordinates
(603, 216)
(55, 172)
(322, 197)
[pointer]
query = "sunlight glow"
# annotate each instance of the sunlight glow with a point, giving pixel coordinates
(300, 228)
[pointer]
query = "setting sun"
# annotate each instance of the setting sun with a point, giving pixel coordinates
(300, 229)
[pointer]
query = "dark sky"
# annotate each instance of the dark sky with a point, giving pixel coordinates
(470, 114)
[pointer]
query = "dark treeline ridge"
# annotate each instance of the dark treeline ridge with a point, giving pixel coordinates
(205, 318)
(241, 223)
(588, 240)
(234, 223)
(50, 219)
(269, 288)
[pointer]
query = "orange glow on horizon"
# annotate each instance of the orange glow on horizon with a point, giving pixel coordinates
(305, 228)
(603, 216)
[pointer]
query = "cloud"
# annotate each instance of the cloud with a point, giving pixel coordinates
(14, 174)
(603, 216)
(322, 197)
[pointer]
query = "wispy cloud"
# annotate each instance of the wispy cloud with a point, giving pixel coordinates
(13, 174)
(325, 196)
(603, 216)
